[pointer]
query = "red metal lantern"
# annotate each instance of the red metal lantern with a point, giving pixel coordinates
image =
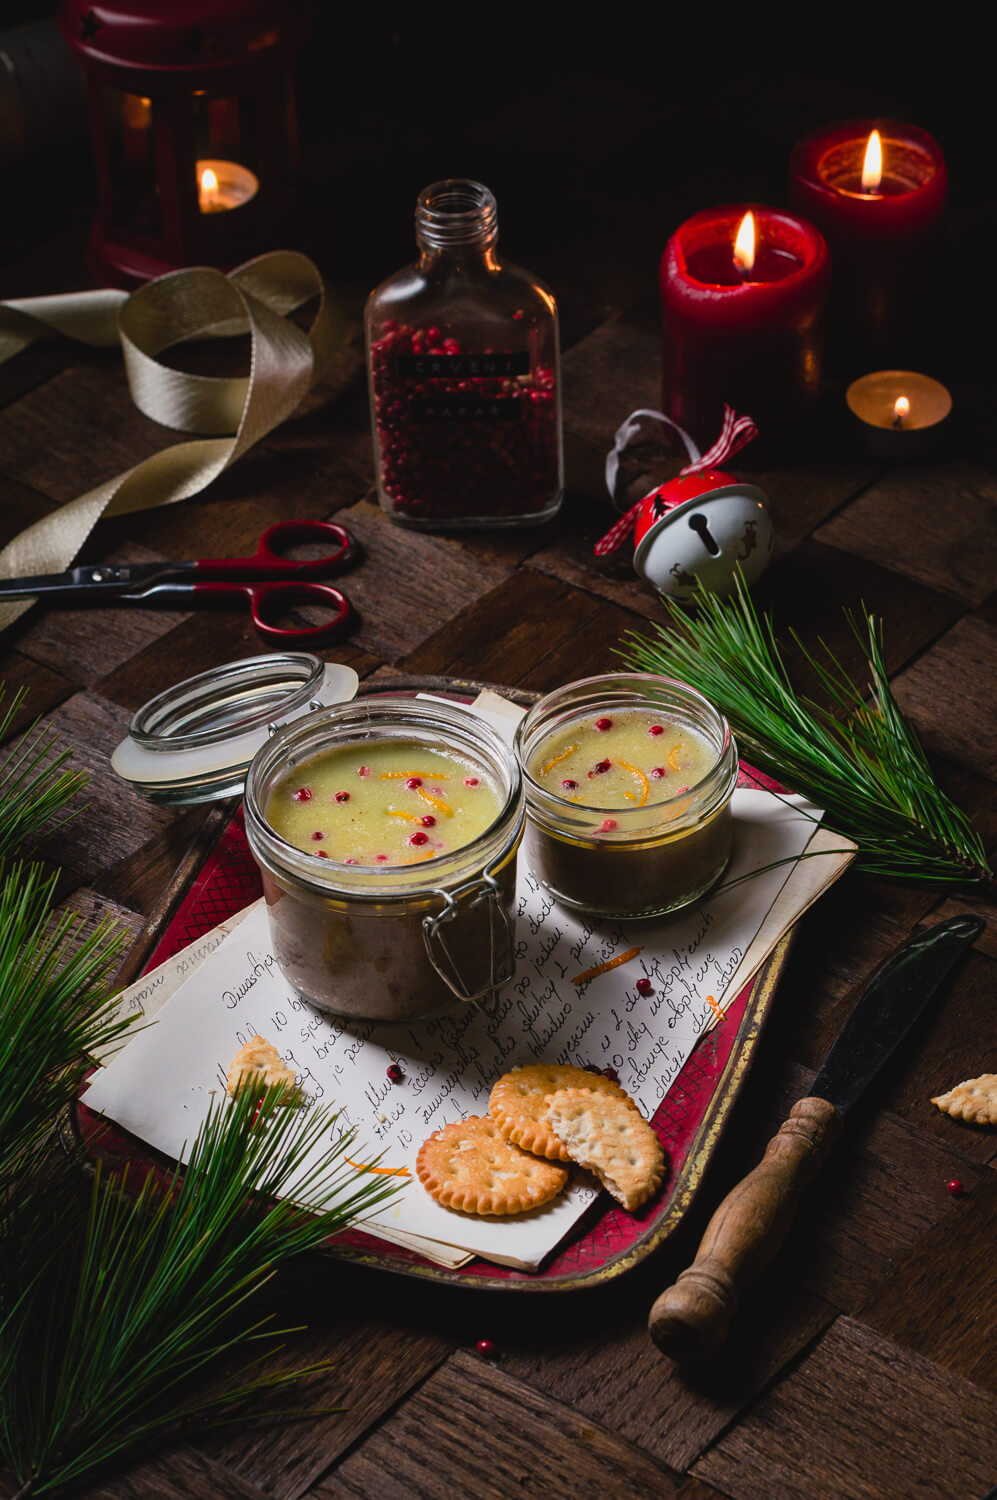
(192, 114)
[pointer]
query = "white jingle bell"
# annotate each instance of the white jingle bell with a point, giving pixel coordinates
(700, 529)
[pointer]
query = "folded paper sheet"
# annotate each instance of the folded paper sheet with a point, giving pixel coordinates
(161, 1084)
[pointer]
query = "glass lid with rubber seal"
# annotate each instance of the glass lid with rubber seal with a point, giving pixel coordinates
(194, 742)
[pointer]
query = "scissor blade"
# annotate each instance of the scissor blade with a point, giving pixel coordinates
(105, 580)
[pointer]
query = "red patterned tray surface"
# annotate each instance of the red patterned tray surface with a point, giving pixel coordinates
(610, 1240)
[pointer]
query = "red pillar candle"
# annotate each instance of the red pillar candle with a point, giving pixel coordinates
(879, 203)
(740, 327)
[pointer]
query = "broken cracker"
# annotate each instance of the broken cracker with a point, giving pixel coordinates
(974, 1101)
(471, 1167)
(258, 1059)
(518, 1103)
(611, 1138)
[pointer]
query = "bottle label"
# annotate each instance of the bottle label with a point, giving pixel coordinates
(453, 408)
(462, 366)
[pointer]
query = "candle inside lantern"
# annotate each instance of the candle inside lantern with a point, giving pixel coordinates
(901, 414)
(223, 185)
(742, 294)
(876, 193)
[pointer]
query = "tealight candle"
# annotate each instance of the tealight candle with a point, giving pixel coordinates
(628, 787)
(902, 414)
(742, 293)
(876, 191)
(224, 185)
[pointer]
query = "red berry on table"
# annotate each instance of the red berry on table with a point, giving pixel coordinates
(342, 796)
(656, 729)
(419, 838)
(603, 724)
(607, 825)
(395, 1073)
(486, 1348)
(302, 794)
(956, 1188)
(318, 835)
(569, 785)
(657, 773)
(644, 987)
(414, 783)
(428, 821)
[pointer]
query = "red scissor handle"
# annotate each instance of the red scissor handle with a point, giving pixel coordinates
(268, 601)
(271, 560)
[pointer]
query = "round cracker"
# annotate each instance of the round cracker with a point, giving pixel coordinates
(518, 1103)
(470, 1166)
(614, 1142)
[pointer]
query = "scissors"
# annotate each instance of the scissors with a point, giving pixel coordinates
(270, 580)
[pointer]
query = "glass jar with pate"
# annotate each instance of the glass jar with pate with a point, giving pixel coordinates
(387, 831)
(462, 352)
(628, 786)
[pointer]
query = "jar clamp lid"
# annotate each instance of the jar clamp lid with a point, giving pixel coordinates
(194, 742)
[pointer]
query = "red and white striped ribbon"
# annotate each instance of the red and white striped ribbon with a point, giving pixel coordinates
(735, 434)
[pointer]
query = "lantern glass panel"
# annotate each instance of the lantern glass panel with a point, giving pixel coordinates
(131, 161)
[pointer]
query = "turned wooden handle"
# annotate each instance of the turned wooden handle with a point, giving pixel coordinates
(690, 1319)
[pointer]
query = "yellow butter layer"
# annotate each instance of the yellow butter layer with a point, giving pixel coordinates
(390, 802)
(626, 759)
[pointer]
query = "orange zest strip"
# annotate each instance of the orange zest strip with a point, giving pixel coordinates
(717, 1010)
(630, 796)
(396, 812)
(645, 785)
(437, 802)
(671, 757)
(411, 775)
(549, 765)
(381, 1171)
(611, 963)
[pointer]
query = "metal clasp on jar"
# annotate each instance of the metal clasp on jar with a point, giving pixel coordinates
(501, 962)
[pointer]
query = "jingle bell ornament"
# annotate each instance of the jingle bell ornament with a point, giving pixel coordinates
(699, 529)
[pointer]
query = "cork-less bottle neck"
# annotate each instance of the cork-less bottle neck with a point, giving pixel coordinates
(456, 218)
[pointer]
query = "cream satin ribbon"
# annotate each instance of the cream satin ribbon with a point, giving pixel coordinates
(285, 363)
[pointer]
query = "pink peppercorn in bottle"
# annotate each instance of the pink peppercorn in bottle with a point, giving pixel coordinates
(463, 361)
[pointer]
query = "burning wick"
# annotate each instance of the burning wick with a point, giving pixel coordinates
(744, 245)
(872, 165)
(901, 410)
(209, 189)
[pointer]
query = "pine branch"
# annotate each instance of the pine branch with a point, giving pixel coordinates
(34, 784)
(101, 1343)
(859, 760)
(54, 1012)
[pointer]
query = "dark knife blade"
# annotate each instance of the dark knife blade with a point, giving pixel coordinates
(897, 994)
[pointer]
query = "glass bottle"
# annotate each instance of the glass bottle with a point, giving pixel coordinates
(465, 394)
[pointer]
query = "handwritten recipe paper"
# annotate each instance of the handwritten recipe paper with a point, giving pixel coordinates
(161, 1084)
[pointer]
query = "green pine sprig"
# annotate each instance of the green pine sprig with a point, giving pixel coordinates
(54, 1012)
(34, 783)
(859, 759)
(106, 1336)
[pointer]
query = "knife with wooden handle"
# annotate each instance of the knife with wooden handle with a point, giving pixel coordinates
(690, 1319)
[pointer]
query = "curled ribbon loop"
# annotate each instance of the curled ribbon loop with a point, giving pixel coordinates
(735, 433)
(285, 362)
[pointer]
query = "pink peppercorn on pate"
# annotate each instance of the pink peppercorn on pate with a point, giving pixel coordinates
(396, 802)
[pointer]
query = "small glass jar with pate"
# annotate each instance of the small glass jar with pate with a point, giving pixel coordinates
(391, 942)
(628, 785)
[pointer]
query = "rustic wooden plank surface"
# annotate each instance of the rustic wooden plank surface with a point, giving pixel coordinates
(861, 1364)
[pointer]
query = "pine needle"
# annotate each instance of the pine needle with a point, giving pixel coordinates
(860, 760)
(101, 1345)
(54, 1012)
(34, 784)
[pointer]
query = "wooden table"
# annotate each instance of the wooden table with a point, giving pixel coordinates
(862, 1365)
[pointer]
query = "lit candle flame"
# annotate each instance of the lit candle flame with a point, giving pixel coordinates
(209, 182)
(901, 411)
(872, 166)
(744, 244)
